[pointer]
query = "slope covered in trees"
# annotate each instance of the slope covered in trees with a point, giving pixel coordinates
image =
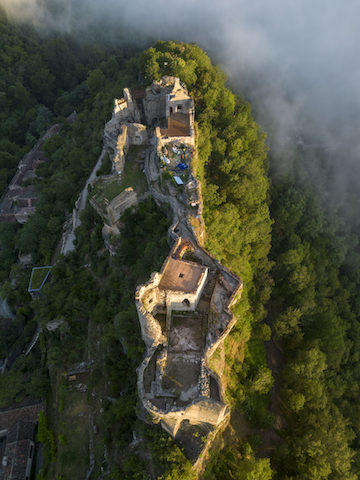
(315, 324)
(42, 80)
(232, 167)
(311, 272)
(313, 309)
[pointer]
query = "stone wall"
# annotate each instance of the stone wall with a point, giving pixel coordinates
(122, 147)
(149, 295)
(154, 104)
(203, 409)
(128, 134)
(124, 130)
(161, 140)
(164, 98)
(161, 100)
(126, 199)
(134, 114)
(200, 410)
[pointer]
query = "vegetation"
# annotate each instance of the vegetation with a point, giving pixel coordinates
(313, 309)
(77, 294)
(38, 276)
(232, 167)
(42, 81)
(312, 275)
(314, 323)
(240, 464)
(46, 437)
(109, 188)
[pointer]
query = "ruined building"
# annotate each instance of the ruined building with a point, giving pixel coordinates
(184, 310)
(19, 201)
(17, 441)
(184, 315)
(165, 106)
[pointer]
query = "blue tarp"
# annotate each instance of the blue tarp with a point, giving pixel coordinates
(182, 166)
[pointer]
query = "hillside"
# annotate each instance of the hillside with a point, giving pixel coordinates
(289, 365)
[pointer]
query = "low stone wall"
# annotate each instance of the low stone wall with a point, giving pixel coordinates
(200, 410)
(126, 199)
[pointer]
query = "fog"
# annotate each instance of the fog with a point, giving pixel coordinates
(297, 62)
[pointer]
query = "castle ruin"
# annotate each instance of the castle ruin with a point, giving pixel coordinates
(184, 312)
(185, 309)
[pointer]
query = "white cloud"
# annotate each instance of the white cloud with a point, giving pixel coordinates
(297, 61)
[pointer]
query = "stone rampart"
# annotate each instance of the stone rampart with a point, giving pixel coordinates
(201, 403)
(203, 409)
(200, 410)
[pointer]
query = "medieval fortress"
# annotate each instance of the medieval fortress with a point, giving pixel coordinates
(184, 310)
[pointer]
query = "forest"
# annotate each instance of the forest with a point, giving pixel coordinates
(299, 262)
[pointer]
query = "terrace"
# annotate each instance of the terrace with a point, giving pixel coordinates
(181, 276)
(38, 277)
(178, 126)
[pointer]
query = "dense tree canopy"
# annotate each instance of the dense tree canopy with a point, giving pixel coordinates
(314, 306)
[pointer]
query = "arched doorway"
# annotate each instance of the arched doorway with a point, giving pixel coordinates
(186, 303)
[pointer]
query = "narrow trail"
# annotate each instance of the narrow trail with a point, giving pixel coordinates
(66, 244)
(69, 236)
(5, 311)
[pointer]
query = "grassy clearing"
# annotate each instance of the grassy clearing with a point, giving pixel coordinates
(111, 190)
(73, 437)
(132, 176)
(38, 276)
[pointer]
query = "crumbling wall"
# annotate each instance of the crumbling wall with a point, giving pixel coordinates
(122, 147)
(126, 199)
(137, 134)
(149, 295)
(154, 104)
(125, 109)
(134, 114)
(204, 409)
(118, 142)
(123, 130)
(166, 97)
(161, 140)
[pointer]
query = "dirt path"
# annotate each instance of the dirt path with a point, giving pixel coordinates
(80, 204)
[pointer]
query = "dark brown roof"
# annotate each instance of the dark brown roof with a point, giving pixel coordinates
(17, 454)
(178, 126)
(25, 413)
(19, 424)
(181, 276)
(21, 430)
